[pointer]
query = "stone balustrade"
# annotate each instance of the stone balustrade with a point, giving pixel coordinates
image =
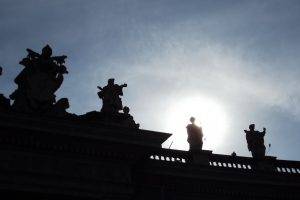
(227, 162)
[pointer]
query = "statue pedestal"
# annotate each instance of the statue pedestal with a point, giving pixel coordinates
(200, 157)
(265, 164)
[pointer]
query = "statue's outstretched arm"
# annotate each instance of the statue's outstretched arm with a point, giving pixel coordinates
(264, 131)
(32, 53)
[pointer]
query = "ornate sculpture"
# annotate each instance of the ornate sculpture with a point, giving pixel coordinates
(4, 102)
(38, 81)
(110, 96)
(195, 135)
(255, 140)
(112, 105)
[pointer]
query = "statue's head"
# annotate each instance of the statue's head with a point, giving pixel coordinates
(251, 127)
(126, 110)
(46, 51)
(192, 120)
(111, 81)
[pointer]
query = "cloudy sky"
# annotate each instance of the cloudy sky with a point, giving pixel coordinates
(228, 63)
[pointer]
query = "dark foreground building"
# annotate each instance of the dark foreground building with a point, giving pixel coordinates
(47, 153)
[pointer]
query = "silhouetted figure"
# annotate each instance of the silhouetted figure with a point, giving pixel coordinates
(38, 81)
(255, 141)
(4, 102)
(128, 119)
(195, 135)
(112, 105)
(233, 154)
(110, 96)
(60, 108)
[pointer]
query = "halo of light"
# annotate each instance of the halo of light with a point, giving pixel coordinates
(209, 114)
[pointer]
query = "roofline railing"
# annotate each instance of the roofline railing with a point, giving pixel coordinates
(207, 158)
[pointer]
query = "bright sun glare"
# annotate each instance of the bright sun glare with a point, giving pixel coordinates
(209, 114)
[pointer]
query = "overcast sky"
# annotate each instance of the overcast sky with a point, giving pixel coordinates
(245, 55)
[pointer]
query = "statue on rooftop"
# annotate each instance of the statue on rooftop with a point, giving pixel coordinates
(111, 111)
(59, 109)
(110, 95)
(195, 135)
(4, 102)
(128, 119)
(40, 78)
(255, 141)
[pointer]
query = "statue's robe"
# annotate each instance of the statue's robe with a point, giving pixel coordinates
(255, 141)
(112, 102)
(195, 137)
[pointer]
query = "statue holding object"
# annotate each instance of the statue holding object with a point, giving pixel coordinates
(195, 135)
(110, 95)
(112, 111)
(37, 83)
(255, 141)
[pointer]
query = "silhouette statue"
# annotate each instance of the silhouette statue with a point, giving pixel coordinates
(195, 135)
(110, 96)
(255, 141)
(38, 81)
(4, 102)
(128, 119)
(60, 108)
(110, 113)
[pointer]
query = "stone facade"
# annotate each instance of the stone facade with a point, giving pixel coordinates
(46, 158)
